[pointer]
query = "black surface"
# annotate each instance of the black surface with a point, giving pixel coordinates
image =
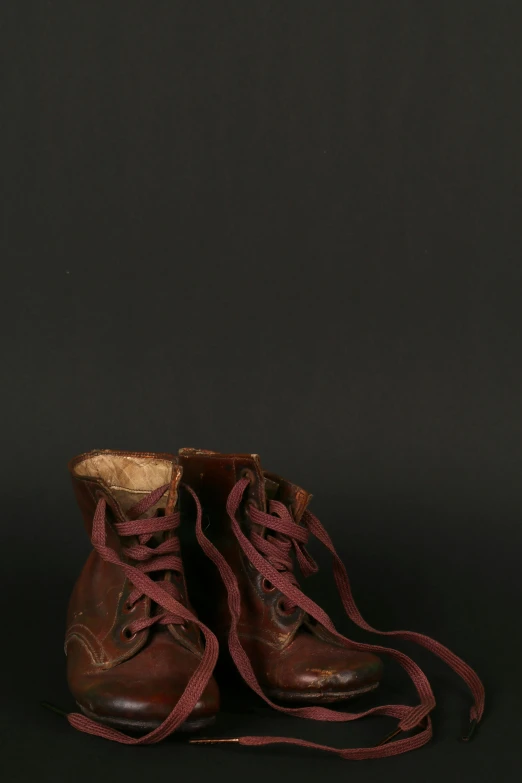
(289, 228)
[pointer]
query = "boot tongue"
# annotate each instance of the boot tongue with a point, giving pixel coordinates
(167, 503)
(172, 493)
(294, 497)
(271, 488)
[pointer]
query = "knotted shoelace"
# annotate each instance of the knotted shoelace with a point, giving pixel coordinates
(271, 556)
(164, 557)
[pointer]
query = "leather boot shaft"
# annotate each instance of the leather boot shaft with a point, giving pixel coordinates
(295, 658)
(125, 669)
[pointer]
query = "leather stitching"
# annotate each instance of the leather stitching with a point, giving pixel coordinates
(86, 637)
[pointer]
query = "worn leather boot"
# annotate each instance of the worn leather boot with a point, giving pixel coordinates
(253, 526)
(136, 660)
(295, 659)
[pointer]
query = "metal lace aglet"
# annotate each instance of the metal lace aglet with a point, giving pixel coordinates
(206, 741)
(53, 708)
(389, 737)
(470, 730)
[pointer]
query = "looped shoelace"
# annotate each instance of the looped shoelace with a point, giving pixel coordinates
(164, 594)
(271, 557)
(163, 557)
(278, 545)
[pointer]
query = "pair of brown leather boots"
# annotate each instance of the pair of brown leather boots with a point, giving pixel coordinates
(140, 661)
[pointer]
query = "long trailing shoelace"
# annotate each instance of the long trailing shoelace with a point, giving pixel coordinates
(164, 557)
(271, 556)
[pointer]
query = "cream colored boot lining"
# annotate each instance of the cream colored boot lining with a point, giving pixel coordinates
(128, 477)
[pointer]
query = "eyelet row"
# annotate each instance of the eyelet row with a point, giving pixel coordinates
(268, 587)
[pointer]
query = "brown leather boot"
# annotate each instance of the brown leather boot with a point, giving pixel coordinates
(254, 524)
(135, 656)
(295, 658)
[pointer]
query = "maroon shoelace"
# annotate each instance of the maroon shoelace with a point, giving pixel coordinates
(271, 556)
(164, 557)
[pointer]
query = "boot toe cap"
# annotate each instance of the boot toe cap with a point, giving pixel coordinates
(138, 694)
(318, 671)
(141, 709)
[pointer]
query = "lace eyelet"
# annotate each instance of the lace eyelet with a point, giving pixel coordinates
(267, 586)
(127, 608)
(280, 608)
(127, 635)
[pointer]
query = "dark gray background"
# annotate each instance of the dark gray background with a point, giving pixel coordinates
(289, 228)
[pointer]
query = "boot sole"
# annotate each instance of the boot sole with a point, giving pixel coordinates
(317, 697)
(143, 727)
